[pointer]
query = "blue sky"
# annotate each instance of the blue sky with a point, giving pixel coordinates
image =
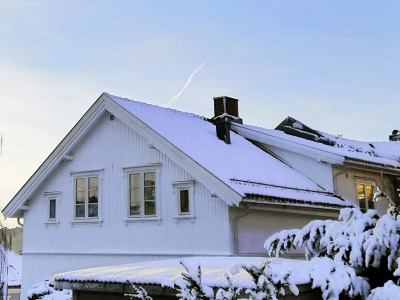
(334, 65)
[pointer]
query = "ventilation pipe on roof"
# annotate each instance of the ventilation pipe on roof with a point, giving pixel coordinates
(226, 111)
(395, 136)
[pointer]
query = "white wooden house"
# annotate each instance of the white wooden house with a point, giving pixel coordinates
(132, 182)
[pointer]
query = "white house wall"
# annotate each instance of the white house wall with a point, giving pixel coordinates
(111, 146)
(318, 171)
(347, 187)
(258, 225)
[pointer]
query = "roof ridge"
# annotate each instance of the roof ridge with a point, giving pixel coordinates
(172, 110)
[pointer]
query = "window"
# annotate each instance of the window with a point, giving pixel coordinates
(87, 197)
(52, 199)
(52, 208)
(142, 194)
(365, 194)
(184, 203)
(184, 198)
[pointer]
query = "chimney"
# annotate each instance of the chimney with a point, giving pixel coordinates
(226, 111)
(226, 105)
(395, 136)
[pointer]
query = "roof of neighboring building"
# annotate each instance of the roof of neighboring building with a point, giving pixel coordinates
(299, 136)
(167, 272)
(14, 263)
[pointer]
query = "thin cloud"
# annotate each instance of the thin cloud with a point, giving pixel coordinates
(188, 82)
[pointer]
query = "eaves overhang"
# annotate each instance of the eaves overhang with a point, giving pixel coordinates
(15, 208)
(371, 166)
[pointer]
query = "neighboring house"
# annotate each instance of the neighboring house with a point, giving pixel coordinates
(133, 182)
(351, 169)
(14, 267)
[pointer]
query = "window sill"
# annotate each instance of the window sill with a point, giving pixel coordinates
(142, 219)
(51, 222)
(86, 221)
(190, 218)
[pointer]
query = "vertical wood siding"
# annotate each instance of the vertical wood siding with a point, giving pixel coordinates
(111, 146)
(319, 172)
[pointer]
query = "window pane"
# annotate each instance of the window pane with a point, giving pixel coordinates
(361, 197)
(369, 195)
(149, 193)
(52, 212)
(80, 184)
(184, 201)
(93, 197)
(80, 211)
(134, 208)
(80, 197)
(134, 194)
(93, 210)
(149, 179)
(149, 208)
(93, 183)
(134, 180)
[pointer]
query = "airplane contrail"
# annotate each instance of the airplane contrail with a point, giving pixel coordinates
(188, 81)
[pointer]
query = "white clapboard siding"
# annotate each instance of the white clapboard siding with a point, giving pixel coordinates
(110, 147)
(318, 171)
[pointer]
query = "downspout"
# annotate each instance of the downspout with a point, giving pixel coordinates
(19, 222)
(236, 229)
(335, 187)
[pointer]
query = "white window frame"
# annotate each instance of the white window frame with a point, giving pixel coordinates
(365, 181)
(142, 170)
(86, 175)
(177, 187)
(52, 196)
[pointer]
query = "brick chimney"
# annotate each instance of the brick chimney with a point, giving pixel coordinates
(226, 111)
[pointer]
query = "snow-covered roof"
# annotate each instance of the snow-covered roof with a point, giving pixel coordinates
(191, 141)
(239, 161)
(337, 149)
(166, 272)
(14, 262)
(266, 193)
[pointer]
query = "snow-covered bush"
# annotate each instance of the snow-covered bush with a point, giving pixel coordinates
(45, 290)
(266, 284)
(364, 243)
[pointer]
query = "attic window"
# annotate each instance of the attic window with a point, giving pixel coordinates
(87, 197)
(184, 191)
(52, 200)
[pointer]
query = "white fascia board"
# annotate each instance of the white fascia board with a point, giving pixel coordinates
(60, 153)
(270, 140)
(213, 183)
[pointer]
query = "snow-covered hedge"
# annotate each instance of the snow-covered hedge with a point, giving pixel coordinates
(45, 290)
(364, 242)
